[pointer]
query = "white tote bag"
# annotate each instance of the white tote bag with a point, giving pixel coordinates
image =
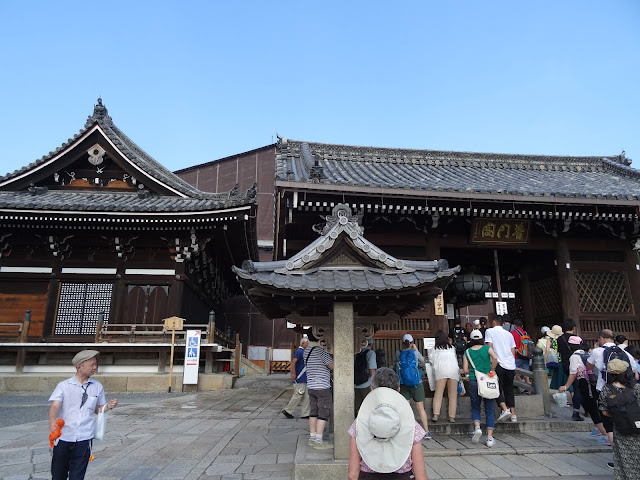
(431, 376)
(487, 386)
(101, 423)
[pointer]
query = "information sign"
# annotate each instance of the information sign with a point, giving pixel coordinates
(191, 358)
(501, 308)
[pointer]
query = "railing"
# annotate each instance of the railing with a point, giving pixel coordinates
(16, 331)
(118, 332)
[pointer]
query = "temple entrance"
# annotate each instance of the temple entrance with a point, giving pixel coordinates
(528, 282)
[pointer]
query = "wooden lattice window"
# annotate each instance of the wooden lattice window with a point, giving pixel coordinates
(79, 306)
(603, 292)
(545, 294)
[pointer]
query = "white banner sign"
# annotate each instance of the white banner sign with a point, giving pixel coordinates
(191, 358)
(501, 308)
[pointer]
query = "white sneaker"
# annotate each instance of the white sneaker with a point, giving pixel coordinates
(505, 415)
(490, 442)
(477, 433)
(514, 418)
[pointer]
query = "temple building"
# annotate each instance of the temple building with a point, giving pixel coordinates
(99, 227)
(540, 237)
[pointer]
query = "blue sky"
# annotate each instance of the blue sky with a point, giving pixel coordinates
(191, 81)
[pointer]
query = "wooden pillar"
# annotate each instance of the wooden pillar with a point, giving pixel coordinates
(119, 295)
(527, 302)
(52, 299)
(176, 288)
(568, 291)
(432, 248)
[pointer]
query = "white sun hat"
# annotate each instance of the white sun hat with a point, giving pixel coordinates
(384, 430)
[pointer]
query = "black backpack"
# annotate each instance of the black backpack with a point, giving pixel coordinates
(459, 340)
(611, 353)
(360, 367)
(623, 407)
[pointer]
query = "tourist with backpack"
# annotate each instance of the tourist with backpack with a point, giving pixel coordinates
(619, 401)
(569, 329)
(407, 360)
(458, 338)
(585, 381)
(447, 374)
(524, 348)
(599, 358)
(364, 366)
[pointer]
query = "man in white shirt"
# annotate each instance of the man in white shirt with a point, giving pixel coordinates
(504, 346)
(76, 401)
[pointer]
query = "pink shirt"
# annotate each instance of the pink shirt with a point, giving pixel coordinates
(418, 435)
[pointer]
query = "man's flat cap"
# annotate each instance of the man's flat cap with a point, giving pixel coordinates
(83, 356)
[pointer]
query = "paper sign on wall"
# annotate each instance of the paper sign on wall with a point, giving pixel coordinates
(501, 308)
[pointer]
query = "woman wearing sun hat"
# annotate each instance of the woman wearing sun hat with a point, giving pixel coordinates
(558, 377)
(385, 438)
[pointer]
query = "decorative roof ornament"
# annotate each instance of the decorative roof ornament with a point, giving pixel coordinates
(100, 115)
(342, 214)
(96, 154)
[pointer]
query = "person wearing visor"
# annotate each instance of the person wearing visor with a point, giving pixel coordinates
(76, 401)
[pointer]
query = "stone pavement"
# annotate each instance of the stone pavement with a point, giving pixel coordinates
(240, 434)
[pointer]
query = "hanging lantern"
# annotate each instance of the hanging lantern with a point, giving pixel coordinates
(469, 288)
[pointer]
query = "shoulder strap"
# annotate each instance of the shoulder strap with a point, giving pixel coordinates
(308, 355)
(469, 358)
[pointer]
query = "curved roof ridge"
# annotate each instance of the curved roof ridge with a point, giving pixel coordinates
(446, 154)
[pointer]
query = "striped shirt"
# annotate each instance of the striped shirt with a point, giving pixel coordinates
(318, 372)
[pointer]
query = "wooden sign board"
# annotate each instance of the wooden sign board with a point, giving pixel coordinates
(504, 231)
(438, 304)
(173, 323)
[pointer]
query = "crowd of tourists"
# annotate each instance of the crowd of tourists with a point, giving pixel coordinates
(385, 436)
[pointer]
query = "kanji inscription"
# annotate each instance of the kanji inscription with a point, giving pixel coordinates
(499, 230)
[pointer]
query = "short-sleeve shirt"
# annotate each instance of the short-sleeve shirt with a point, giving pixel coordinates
(299, 355)
(481, 360)
(576, 365)
(78, 421)
(318, 373)
(371, 365)
(596, 358)
(418, 435)
(502, 342)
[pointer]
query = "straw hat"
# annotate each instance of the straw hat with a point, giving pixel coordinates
(384, 430)
(555, 331)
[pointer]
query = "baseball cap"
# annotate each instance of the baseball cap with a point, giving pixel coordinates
(476, 335)
(476, 322)
(575, 340)
(407, 337)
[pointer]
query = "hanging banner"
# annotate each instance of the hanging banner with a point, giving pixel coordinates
(500, 230)
(451, 314)
(191, 358)
(438, 304)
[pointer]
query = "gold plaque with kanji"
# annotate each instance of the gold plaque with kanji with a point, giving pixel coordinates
(500, 230)
(173, 323)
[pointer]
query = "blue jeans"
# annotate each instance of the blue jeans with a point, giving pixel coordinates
(522, 363)
(489, 405)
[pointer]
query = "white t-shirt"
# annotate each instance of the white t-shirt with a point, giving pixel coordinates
(576, 366)
(597, 359)
(502, 342)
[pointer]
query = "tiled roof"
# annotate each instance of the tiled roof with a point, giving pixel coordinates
(69, 200)
(128, 147)
(187, 198)
(464, 172)
(306, 271)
